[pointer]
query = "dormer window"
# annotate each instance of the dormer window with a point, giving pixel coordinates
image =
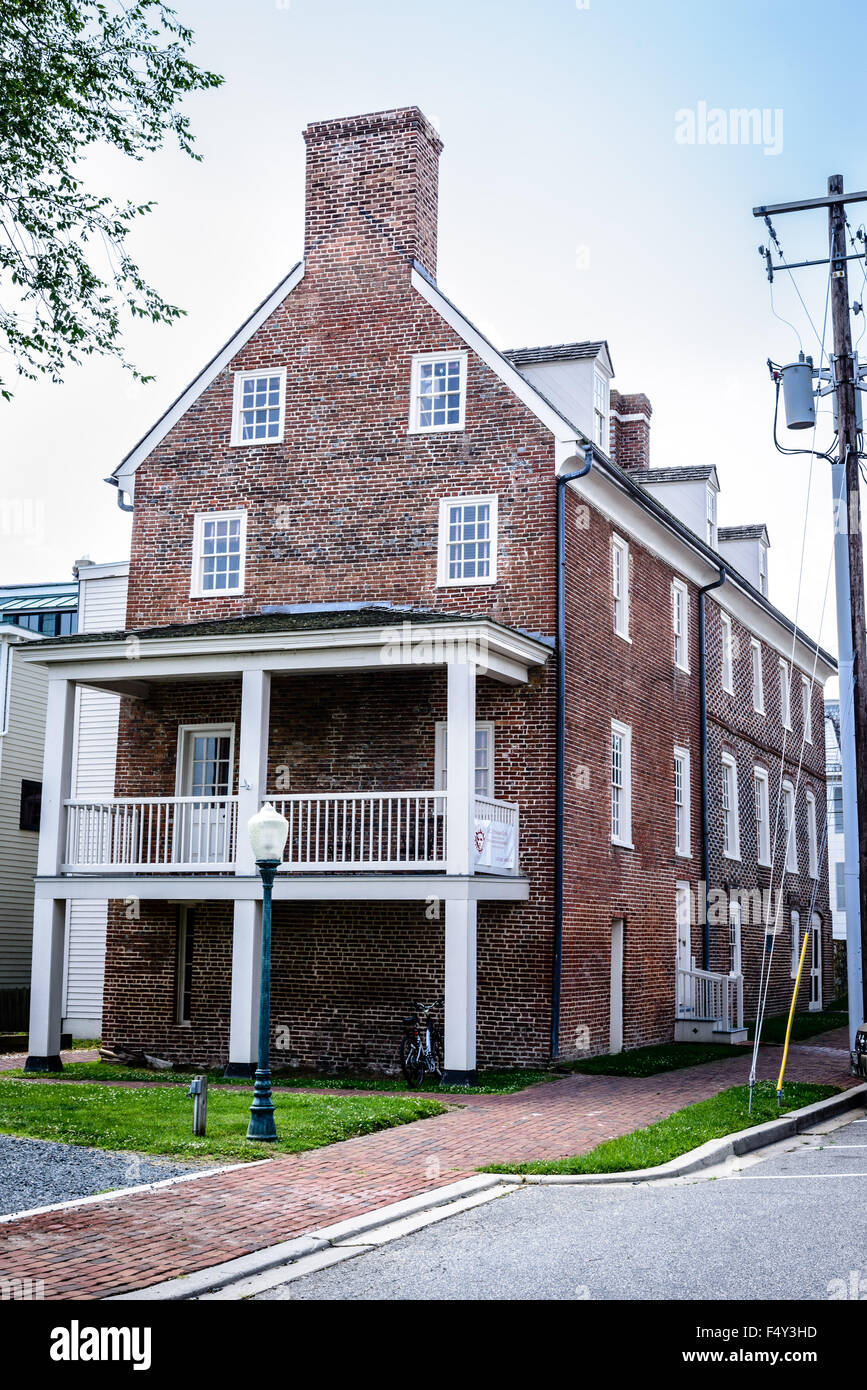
(763, 569)
(438, 392)
(712, 536)
(600, 410)
(259, 407)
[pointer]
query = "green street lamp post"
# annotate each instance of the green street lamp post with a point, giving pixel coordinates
(268, 831)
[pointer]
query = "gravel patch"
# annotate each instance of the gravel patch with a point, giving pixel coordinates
(37, 1173)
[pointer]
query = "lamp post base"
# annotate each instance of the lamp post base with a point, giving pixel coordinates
(262, 1124)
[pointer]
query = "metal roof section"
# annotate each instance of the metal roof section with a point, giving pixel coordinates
(39, 598)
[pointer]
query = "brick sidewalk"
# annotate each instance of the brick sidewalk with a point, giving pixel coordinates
(135, 1241)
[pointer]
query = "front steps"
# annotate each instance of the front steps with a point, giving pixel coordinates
(706, 1030)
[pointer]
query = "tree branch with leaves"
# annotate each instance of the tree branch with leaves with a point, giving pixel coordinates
(74, 75)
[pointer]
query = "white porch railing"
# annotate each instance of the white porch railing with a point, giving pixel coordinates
(704, 994)
(148, 834)
(328, 831)
(364, 830)
(496, 836)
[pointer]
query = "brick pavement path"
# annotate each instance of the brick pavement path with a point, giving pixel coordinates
(134, 1241)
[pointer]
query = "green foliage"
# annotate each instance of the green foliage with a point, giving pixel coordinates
(650, 1061)
(686, 1129)
(158, 1119)
(74, 75)
(502, 1082)
(803, 1026)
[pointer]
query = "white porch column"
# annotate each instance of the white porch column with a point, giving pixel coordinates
(252, 759)
(461, 765)
(246, 972)
(247, 928)
(46, 985)
(460, 992)
(49, 914)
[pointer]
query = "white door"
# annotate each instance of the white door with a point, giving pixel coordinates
(685, 994)
(615, 1032)
(202, 826)
(815, 962)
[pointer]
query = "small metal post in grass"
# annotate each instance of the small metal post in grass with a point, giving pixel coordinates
(199, 1092)
(268, 831)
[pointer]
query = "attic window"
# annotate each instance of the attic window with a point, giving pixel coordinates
(711, 518)
(763, 569)
(600, 411)
(259, 406)
(438, 392)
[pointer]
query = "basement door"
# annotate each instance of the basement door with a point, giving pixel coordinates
(203, 825)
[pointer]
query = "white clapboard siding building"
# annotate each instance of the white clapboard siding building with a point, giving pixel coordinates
(101, 607)
(23, 691)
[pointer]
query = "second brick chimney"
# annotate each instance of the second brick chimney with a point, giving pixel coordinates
(630, 430)
(384, 165)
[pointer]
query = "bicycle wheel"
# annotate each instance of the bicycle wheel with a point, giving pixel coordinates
(436, 1047)
(411, 1063)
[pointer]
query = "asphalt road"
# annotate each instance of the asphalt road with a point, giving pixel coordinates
(790, 1225)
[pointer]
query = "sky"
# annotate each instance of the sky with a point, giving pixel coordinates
(578, 200)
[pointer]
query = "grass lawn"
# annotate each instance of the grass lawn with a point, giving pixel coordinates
(649, 1061)
(678, 1133)
(158, 1119)
(803, 1026)
(500, 1082)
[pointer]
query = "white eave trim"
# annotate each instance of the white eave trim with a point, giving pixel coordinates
(562, 429)
(125, 471)
(399, 643)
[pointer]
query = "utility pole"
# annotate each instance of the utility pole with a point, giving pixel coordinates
(849, 575)
(849, 517)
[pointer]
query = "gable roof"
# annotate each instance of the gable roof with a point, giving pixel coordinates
(558, 352)
(123, 477)
(744, 533)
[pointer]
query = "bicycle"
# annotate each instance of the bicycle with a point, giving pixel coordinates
(421, 1048)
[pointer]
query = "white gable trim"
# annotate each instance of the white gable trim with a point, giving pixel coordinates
(561, 428)
(125, 472)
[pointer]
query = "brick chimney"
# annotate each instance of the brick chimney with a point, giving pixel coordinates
(630, 430)
(384, 164)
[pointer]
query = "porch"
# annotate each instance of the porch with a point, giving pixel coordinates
(442, 840)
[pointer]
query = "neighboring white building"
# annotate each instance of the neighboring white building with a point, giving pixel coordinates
(23, 690)
(836, 849)
(101, 608)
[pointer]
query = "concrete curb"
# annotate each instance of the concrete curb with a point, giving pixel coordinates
(715, 1150)
(188, 1286)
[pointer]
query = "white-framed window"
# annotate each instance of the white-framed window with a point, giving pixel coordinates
(620, 584)
(790, 828)
(621, 784)
(795, 919)
(758, 681)
(731, 822)
(484, 767)
(259, 407)
(438, 392)
(679, 622)
(184, 965)
(727, 660)
(763, 815)
(812, 843)
(763, 569)
(735, 917)
(785, 695)
(219, 553)
(600, 410)
(682, 837)
(807, 708)
(711, 517)
(467, 541)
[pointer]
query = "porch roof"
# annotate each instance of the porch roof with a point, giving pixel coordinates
(295, 638)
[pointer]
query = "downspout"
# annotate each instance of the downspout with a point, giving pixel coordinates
(705, 800)
(124, 506)
(561, 743)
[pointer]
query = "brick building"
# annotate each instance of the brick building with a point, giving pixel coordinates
(362, 587)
